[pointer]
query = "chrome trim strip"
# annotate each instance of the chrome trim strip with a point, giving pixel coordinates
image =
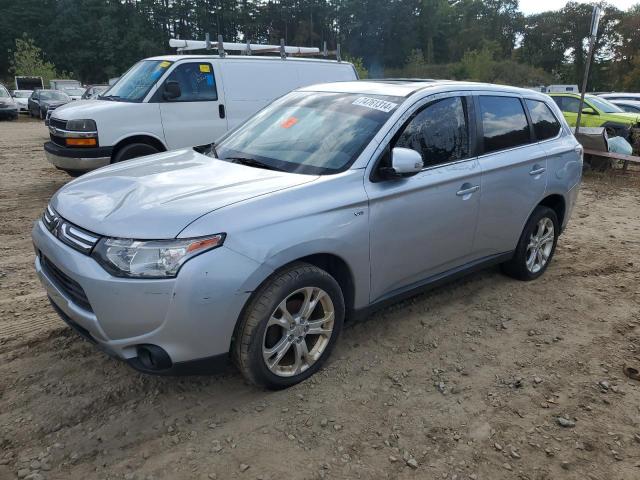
(59, 132)
(80, 234)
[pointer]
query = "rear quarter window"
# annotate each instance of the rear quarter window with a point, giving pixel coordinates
(545, 124)
(504, 123)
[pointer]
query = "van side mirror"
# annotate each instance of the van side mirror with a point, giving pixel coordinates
(171, 90)
(588, 111)
(405, 162)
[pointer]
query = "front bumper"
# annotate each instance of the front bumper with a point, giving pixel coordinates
(191, 317)
(8, 112)
(77, 159)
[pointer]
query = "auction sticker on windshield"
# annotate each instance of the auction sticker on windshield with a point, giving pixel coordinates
(375, 103)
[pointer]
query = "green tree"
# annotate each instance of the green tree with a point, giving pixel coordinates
(27, 60)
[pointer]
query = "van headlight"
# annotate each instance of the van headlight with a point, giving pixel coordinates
(151, 258)
(84, 125)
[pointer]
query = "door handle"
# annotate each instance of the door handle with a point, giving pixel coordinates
(221, 111)
(537, 171)
(466, 190)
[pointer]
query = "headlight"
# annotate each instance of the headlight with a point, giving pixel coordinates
(82, 125)
(151, 258)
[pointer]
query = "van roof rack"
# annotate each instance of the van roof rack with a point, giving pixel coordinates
(247, 48)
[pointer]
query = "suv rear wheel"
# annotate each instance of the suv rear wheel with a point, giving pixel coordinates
(289, 327)
(536, 246)
(134, 150)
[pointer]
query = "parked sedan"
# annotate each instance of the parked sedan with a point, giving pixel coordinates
(8, 107)
(21, 98)
(631, 106)
(74, 92)
(93, 91)
(42, 101)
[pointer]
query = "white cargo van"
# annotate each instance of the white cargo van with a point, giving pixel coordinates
(170, 102)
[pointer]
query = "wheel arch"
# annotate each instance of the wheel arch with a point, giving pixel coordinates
(141, 138)
(333, 264)
(558, 204)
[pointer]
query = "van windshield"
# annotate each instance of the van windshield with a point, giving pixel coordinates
(313, 133)
(134, 85)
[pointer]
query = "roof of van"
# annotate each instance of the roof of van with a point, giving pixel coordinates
(406, 87)
(212, 56)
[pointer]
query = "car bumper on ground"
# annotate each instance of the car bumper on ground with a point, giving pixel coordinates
(187, 321)
(77, 159)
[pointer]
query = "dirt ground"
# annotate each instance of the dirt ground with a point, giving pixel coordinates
(464, 382)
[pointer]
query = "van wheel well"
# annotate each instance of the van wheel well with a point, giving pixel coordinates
(556, 203)
(154, 142)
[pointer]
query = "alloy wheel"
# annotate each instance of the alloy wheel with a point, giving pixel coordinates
(540, 245)
(298, 331)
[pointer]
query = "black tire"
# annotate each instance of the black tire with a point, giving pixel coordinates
(517, 266)
(133, 150)
(247, 349)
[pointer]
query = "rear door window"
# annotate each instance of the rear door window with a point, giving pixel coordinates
(570, 104)
(197, 82)
(504, 123)
(439, 132)
(545, 124)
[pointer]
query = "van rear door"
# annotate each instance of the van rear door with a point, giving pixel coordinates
(197, 116)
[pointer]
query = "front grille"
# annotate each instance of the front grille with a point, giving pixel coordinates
(69, 286)
(56, 122)
(58, 140)
(76, 237)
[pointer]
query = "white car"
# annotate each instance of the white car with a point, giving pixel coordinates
(176, 101)
(631, 106)
(620, 96)
(74, 92)
(21, 97)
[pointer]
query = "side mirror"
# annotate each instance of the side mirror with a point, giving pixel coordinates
(588, 111)
(171, 90)
(405, 162)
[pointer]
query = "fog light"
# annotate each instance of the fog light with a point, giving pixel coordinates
(153, 357)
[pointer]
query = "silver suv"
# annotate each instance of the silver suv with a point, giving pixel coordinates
(330, 202)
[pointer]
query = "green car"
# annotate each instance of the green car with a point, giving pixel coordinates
(597, 112)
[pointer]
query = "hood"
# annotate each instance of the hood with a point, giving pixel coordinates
(88, 108)
(156, 197)
(53, 103)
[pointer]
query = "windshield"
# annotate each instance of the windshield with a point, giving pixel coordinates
(309, 132)
(74, 91)
(3, 92)
(54, 95)
(22, 93)
(134, 85)
(604, 105)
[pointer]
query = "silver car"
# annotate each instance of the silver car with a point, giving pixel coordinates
(332, 201)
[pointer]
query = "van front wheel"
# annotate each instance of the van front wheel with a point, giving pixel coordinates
(133, 150)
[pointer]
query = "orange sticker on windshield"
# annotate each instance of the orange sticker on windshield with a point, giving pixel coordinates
(289, 122)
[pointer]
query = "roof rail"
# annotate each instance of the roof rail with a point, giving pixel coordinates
(247, 48)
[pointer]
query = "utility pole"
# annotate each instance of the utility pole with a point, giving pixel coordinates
(593, 33)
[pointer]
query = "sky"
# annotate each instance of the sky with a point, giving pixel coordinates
(536, 6)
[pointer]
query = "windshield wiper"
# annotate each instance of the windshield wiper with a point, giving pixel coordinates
(114, 98)
(252, 162)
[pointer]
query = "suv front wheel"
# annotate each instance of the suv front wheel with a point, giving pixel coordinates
(536, 246)
(289, 327)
